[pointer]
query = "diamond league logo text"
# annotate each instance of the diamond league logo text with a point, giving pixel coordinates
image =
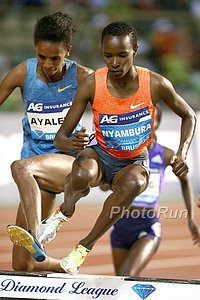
(16, 286)
(143, 290)
(79, 288)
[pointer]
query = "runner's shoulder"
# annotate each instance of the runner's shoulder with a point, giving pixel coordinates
(83, 72)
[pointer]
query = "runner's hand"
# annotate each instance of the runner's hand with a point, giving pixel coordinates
(80, 140)
(179, 166)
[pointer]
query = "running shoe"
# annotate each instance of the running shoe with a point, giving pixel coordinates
(71, 263)
(21, 237)
(49, 227)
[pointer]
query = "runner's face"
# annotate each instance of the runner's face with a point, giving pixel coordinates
(51, 56)
(118, 54)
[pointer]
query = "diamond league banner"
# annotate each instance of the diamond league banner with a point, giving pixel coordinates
(86, 287)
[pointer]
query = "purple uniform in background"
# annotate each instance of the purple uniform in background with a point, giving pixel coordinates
(150, 197)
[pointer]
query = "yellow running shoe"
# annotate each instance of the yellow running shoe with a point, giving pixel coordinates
(49, 227)
(71, 263)
(21, 237)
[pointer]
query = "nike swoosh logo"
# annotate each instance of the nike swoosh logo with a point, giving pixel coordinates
(64, 88)
(135, 106)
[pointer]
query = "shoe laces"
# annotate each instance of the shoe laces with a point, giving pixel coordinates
(55, 219)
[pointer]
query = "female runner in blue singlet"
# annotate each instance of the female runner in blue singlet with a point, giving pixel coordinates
(47, 84)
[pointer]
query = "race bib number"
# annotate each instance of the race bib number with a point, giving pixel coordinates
(127, 131)
(46, 119)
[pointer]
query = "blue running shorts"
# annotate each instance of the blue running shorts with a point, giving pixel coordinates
(111, 165)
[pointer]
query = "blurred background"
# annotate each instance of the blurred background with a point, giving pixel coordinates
(169, 43)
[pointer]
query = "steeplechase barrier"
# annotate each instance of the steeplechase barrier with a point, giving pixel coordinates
(18, 285)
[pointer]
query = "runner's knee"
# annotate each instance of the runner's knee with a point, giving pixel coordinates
(133, 187)
(83, 174)
(138, 184)
(18, 168)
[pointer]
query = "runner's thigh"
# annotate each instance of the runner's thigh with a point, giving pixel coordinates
(50, 170)
(133, 173)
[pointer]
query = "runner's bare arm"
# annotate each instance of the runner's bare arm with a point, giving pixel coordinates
(15, 78)
(84, 94)
(162, 89)
(189, 203)
(188, 197)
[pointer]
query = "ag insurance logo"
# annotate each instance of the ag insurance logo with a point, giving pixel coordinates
(143, 290)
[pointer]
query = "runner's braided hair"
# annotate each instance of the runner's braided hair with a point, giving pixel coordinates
(56, 28)
(120, 29)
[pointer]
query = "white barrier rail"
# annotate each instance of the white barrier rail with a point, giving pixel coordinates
(54, 286)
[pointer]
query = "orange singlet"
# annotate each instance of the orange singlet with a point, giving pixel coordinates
(123, 126)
